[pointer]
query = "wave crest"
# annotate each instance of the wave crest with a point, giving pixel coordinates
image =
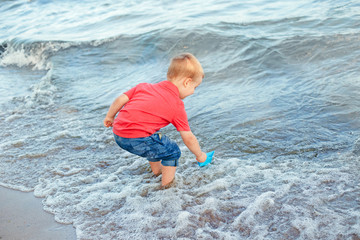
(35, 55)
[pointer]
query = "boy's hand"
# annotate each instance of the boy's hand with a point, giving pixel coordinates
(202, 157)
(209, 157)
(108, 122)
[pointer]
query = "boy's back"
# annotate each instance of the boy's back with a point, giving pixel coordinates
(150, 108)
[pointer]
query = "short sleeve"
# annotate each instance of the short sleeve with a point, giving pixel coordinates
(130, 92)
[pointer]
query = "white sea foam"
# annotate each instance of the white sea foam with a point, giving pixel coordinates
(279, 201)
(26, 57)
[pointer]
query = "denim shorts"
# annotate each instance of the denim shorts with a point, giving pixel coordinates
(154, 148)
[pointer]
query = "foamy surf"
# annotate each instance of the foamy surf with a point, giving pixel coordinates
(231, 199)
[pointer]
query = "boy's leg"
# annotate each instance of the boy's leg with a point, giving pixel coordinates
(168, 175)
(169, 153)
(155, 167)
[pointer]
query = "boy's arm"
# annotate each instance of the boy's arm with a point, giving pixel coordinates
(193, 145)
(114, 109)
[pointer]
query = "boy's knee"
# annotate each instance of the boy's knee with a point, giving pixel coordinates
(155, 168)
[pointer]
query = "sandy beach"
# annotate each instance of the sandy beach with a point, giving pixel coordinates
(22, 217)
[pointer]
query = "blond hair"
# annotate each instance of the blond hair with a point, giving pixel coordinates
(184, 65)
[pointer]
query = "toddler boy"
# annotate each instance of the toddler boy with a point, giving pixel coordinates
(146, 108)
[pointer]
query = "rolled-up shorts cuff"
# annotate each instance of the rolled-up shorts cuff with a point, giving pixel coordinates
(167, 163)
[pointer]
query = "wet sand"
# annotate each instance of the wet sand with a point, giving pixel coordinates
(22, 217)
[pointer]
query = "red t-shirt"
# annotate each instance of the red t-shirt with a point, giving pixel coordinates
(151, 107)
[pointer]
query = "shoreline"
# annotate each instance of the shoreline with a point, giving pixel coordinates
(22, 217)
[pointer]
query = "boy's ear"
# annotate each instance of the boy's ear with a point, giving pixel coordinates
(187, 81)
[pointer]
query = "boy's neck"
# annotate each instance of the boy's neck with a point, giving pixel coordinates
(176, 82)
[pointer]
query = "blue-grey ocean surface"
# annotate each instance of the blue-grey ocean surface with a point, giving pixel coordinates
(279, 104)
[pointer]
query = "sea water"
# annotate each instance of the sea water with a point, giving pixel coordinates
(279, 104)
